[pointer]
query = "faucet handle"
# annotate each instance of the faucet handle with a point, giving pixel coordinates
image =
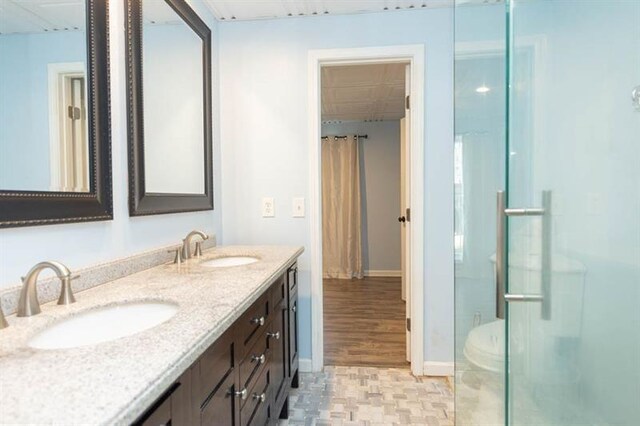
(198, 252)
(178, 255)
(66, 292)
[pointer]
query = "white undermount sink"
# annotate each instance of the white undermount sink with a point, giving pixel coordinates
(103, 324)
(223, 262)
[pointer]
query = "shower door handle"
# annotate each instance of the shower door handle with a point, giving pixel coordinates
(502, 261)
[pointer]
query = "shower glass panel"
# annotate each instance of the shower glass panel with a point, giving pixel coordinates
(479, 153)
(574, 150)
(547, 107)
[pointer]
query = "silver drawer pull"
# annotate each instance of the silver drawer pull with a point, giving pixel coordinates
(261, 359)
(523, 297)
(242, 394)
(275, 335)
(259, 321)
(261, 398)
(293, 308)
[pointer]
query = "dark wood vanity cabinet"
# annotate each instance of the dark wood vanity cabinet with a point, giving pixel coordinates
(245, 376)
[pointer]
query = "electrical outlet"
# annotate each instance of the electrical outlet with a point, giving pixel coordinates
(268, 207)
(298, 207)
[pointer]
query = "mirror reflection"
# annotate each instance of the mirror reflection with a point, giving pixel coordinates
(43, 96)
(173, 102)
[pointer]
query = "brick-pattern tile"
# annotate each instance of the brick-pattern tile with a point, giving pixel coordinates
(369, 396)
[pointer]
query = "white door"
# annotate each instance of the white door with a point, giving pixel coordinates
(405, 204)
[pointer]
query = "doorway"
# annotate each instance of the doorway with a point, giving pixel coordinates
(367, 282)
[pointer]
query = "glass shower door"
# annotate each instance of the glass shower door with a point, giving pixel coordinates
(479, 155)
(570, 257)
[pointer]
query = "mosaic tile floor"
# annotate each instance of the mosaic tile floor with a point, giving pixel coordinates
(369, 396)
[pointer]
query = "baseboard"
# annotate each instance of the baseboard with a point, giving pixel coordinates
(440, 369)
(305, 366)
(382, 273)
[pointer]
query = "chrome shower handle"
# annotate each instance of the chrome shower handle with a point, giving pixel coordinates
(502, 261)
(501, 254)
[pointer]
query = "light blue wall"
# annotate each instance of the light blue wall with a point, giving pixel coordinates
(379, 190)
(24, 103)
(79, 245)
(264, 90)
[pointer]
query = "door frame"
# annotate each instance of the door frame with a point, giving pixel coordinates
(415, 56)
(56, 72)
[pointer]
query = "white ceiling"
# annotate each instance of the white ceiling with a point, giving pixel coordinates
(35, 16)
(363, 92)
(269, 9)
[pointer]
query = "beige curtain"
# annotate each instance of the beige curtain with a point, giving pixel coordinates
(341, 217)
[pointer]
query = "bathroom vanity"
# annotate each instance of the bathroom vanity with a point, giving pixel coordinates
(227, 355)
(244, 377)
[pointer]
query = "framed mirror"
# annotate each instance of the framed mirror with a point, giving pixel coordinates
(55, 148)
(170, 135)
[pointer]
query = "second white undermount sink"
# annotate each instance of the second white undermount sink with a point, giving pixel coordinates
(103, 325)
(222, 262)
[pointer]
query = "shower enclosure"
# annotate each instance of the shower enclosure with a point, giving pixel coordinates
(547, 204)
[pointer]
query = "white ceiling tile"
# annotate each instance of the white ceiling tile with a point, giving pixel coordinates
(269, 9)
(363, 92)
(34, 16)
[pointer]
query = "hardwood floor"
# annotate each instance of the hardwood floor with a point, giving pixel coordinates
(364, 323)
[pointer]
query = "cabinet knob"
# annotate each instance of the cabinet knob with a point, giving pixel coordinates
(275, 335)
(293, 308)
(259, 321)
(262, 397)
(402, 219)
(261, 359)
(242, 394)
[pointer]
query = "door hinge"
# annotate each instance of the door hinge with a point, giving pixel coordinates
(407, 102)
(408, 215)
(408, 324)
(73, 112)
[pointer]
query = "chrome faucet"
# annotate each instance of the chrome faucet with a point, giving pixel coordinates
(186, 244)
(28, 304)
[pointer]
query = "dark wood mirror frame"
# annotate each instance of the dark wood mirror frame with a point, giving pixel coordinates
(30, 208)
(141, 202)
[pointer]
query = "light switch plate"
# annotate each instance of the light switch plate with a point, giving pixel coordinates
(268, 207)
(298, 207)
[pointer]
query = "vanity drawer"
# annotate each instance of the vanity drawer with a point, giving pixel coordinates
(253, 323)
(222, 407)
(256, 410)
(215, 365)
(255, 360)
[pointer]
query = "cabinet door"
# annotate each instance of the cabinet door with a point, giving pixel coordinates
(293, 338)
(292, 280)
(222, 407)
(184, 407)
(278, 348)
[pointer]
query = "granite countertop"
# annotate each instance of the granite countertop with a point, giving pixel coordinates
(114, 382)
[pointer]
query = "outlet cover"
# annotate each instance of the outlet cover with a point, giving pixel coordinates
(268, 207)
(298, 207)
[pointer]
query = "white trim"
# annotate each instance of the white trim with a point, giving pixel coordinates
(54, 72)
(415, 55)
(382, 273)
(439, 369)
(305, 365)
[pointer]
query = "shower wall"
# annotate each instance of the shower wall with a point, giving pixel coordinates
(574, 131)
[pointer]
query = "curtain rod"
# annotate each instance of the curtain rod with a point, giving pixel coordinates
(346, 136)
